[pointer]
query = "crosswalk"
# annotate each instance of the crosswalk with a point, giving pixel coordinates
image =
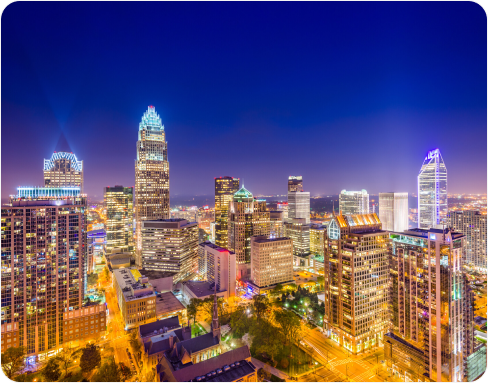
(357, 378)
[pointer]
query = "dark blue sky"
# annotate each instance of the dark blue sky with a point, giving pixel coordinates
(348, 95)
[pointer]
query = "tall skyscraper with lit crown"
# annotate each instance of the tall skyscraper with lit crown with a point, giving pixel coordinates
(152, 174)
(432, 191)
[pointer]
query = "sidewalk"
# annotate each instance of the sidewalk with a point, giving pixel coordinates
(274, 371)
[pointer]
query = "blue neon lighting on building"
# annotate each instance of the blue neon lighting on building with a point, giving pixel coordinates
(75, 164)
(36, 192)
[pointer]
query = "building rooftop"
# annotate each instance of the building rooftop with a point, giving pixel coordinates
(264, 239)
(213, 246)
(404, 342)
(424, 233)
(172, 223)
(159, 327)
(239, 355)
(131, 286)
(167, 303)
(155, 274)
(202, 288)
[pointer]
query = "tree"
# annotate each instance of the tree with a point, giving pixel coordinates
(90, 358)
(13, 361)
(92, 279)
(125, 372)
(66, 356)
(289, 325)
(261, 304)
(51, 371)
(135, 344)
(283, 297)
(108, 372)
(192, 309)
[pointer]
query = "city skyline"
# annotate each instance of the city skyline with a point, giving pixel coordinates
(307, 86)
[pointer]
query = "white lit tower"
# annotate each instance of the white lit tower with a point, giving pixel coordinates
(152, 174)
(432, 191)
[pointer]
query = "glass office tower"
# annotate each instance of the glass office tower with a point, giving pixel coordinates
(354, 202)
(120, 210)
(63, 170)
(152, 174)
(225, 187)
(393, 211)
(432, 191)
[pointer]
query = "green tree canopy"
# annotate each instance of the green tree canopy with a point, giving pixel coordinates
(13, 361)
(108, 372)
(90, 358)
(288, 323)
(261, 304)
(67, 355)
(51, 371)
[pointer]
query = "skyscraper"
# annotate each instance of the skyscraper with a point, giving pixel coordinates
(276, 224)
(63, 170)
(217, 265)
(118, 201)
(473, 225)
(152, 174)
(225, 187)
(430, 305)
(298, 200)
(432, 191)
(299, 232)
(354, 202)
(356, 290)
(295, 183)
(170, 245)
(393, 211)
(44, 268)
(247, 217)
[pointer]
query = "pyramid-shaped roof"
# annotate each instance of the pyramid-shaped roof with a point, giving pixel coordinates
(242, 193)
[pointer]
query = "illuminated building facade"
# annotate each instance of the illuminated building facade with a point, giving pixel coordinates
(170, 245)
(225, 188)
(299, 232)
(277, 229)
(432, 192)
(217, 265)
(63, 170)
(317, 233)
(118, 202)
(271, 261)
(473, 225)
(354, 202)
(393, 211)
(431, 302)
(135, 296)
(44, 268)
(283, 206)
(247, 217)
(356, 281)
(295, 184)
(152, 174)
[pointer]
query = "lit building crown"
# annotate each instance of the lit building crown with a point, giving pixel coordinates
(151, 120)
(75, 164)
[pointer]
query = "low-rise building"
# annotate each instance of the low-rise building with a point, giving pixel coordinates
(167, 305)
(201, 290)
(86, 323)
(135, 296)
(232, 366)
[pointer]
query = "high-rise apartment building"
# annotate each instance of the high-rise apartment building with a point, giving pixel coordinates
(432, 192)
(473, 225)
(44, 267)
(170, 245)
(276, 224)
(356, 281)
(63, 170)
(217, 265)
(295, 184)
(225, 188)
(247, 217)
(271, 261)
(393, 211)
(430, 305)
(118, 203)
(152, 174)
(353, 202)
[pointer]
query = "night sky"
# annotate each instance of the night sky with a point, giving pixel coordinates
(348, 95)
